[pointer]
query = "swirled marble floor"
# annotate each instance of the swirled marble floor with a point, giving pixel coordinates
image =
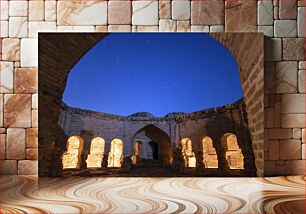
(28, 194)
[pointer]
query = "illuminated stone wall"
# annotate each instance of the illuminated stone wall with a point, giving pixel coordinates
(282, 22)
(214, 123)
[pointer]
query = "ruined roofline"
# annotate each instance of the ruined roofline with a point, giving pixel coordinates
(173, 116)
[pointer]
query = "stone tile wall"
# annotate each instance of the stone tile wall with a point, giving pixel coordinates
(282, 21)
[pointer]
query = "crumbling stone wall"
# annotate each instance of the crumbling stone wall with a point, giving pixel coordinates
(195, 126)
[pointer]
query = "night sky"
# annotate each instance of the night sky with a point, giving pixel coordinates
(154, 72)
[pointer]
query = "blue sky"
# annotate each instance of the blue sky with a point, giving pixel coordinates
(154, 72)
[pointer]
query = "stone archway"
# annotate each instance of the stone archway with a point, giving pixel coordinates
(156, 144)
(59, 52)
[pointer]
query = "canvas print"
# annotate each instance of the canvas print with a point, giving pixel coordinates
(149, 104)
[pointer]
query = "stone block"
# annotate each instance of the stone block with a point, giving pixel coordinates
(167, 25)
(147, 28)
(265, 12)
(8, 167)
(29, 53)
(304, 135)
(34, 101)
(18, 27)
(216, 28)
(26, 80)
(301, 3)
(181, 10)
(119, 12)
(266, 30)
(301, 22)
(4, 29)
(32, 154)
(34, 118)
(273, 150)
(15, 143)
(269, 78)
(293, 120)
(275, 13)
(240, 16)
(145, 13)
(293, 49)
(280, 170)
(11, 49)
(1, 110)
(27, 167)
(18, 8)
(295, 167)
(17, 110)
(285, 28)
(199, 28)
(183, 26)
(270, 118)
(278, 114)
(286, 77)
(207, 12)
(293, 103)
(32, 137)
(6, 77)
(301, 81)
(119, 28)
(297, 133)
(280, 133)
(50, 10)
(36, 10)
(303, 151)
(36, 26)
(91, 12)
(287, 9)
(270, 168)
(164, 9)
(4, 9)
(75, 29)
(2, 146)
(101, 28)
(273, 49)
(290, 149)
(302, 65)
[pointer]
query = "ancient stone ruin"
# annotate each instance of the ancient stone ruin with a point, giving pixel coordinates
(210, 142)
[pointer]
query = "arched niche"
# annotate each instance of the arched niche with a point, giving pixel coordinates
(210, 157)
(72, 157)
(96, 152)
(189, 156)
(156, 144)
(233, 153)
(116, 153)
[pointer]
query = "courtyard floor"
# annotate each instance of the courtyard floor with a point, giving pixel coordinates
(75, 194)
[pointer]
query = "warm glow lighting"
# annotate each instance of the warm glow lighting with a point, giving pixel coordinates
(115, 155)
(96, 153)
(233, 152)
(71, 158)
(210, 158)
(190, 160)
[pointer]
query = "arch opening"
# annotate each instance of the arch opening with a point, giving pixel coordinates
(156, 145)
(72, 157)
(210, 157)
(233, 153)
(96, 153)
(189, 156)
(116, 153)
